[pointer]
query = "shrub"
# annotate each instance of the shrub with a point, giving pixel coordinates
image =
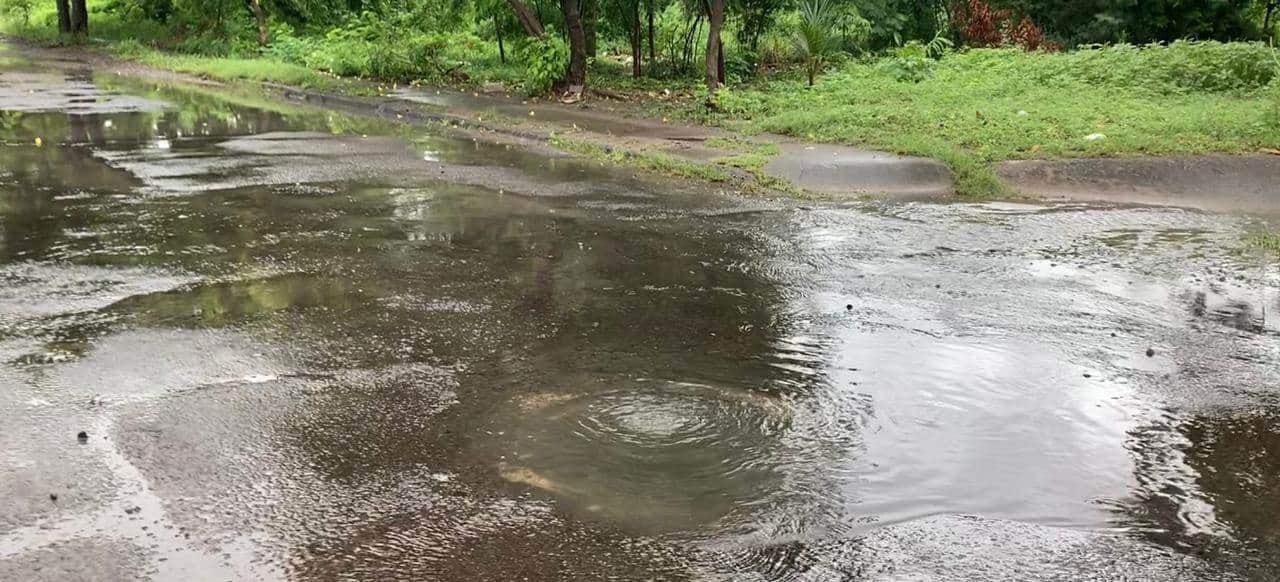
(545, 62)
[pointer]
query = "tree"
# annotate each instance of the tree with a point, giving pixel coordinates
(715, 49)
(590, 19)
(1268, 27)
(528, 19)
(259, 16)
(815, 37)
(79, 17)
(576, 78)
(64, 16)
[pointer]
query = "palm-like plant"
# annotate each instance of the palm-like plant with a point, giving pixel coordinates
(815, 37)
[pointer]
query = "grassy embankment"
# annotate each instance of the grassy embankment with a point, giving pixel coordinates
(975, 108)
(970, 109)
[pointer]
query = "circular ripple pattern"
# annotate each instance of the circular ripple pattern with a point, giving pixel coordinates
(654, 457)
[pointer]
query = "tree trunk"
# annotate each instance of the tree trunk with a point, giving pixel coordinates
(653, 58)
(64, 16)
(576, 76)
(589, 21)
(1266, 22)
(715, 22)
(260, 17)
(530, 21)
(79, 17)
(637, 41)
(720, 60)
(497, 30)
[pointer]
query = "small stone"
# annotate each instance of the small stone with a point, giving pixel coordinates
(1088, 375)
(1113, 334)
(849, 307)
(83, 437)
(53, 497)
(1151, 352)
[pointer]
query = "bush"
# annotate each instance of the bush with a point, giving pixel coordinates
(545, 61)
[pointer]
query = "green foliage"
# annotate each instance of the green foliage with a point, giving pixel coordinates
(18, 9)
(914, 62)
(894, 22)
(545, 61)
(816, 39)
(983, 106)
(1178, 67)
(1146, 21)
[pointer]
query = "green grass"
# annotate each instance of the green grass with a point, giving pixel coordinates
(1265, 240)
(985, 106)
(240, 69)
(644, 160)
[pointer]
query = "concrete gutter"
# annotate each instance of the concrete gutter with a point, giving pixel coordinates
(1218, 183)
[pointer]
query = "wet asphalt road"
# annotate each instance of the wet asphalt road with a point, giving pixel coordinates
(315, 347)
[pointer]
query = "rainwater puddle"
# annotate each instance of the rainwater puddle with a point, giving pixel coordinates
(311, 346)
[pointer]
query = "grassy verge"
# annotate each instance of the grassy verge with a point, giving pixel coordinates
(977, 108)
(643, 160)
(971, 109)
(239, 69)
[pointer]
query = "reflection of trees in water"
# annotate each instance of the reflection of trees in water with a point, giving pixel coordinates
(1210, 485)
(1235, 313)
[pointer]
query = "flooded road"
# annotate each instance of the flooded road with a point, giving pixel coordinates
(308, 346)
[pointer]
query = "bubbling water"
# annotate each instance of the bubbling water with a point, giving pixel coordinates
(653, 456)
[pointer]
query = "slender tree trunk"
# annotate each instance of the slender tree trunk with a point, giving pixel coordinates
(528, 20)
(1266, 22)
(259, 16)
(502, 50)
(64, 16)
(79, 17)
(686, 57)
(637, 41)
(653, 58)
(576, 76)
(715, 22)
(589, 21)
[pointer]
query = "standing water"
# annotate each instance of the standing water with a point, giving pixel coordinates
(310, 346)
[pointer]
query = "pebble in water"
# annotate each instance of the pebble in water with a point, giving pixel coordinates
(83, 437)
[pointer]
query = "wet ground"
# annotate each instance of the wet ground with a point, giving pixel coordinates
(307, 346)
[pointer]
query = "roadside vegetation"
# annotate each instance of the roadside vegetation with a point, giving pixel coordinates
(971, 82)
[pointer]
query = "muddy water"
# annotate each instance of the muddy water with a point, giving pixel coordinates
(308, 346)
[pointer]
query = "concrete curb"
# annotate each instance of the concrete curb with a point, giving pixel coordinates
(1217, 183)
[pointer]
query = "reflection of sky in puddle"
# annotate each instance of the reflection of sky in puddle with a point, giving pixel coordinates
(983, 425)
